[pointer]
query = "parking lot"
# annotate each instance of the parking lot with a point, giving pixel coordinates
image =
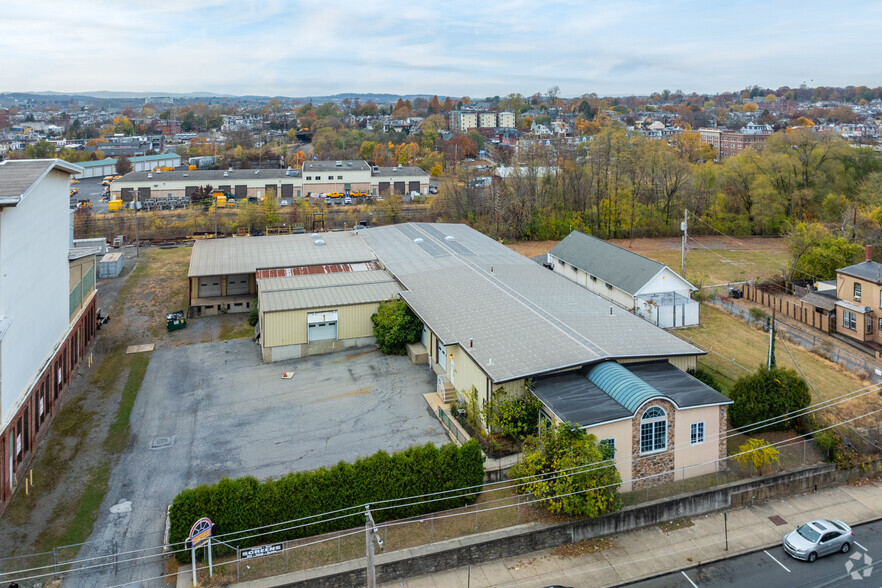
(214, 410)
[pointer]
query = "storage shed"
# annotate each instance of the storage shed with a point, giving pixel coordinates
(110, 266)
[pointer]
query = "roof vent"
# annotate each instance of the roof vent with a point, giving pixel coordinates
(349, 164)
(149, 176)
(450, 238)
(338, 163)
(320, 242)
(314, 236)
(418, 240)
(186, 175)
(257, 171)
(394, 169)
(226, 174)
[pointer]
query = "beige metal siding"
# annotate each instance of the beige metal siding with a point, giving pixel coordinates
(289, 327)
(681, 362)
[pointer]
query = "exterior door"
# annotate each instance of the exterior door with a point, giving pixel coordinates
(237, 284)
(450, 370)
(210, 286)
(321, 326)
(442, 356)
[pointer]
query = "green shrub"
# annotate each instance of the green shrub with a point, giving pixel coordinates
(514, 417)
(254, 315)
(395, 325)
(766, 394)
(245, 503)
(758, 314)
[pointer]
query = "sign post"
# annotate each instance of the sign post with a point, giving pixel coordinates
(200, 533)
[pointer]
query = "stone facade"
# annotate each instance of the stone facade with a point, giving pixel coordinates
(661, 462)
(724, 428)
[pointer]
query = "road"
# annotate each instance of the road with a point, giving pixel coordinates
(215, 410)
(773, 567)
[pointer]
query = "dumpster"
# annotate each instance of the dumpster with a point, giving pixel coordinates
(175, 320)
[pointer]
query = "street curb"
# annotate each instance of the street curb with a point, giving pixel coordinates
(718, 559)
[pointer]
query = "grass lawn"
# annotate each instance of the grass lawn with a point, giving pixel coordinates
(732, 338)
(719, 266)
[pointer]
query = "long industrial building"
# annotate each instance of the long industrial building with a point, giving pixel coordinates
(47, 308)
(312, 179)
(493, 320)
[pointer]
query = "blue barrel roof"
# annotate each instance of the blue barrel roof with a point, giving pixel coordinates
(622, 386)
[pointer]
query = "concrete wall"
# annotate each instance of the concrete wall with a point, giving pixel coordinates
(286, 352)
(34, 290)
(512, 542)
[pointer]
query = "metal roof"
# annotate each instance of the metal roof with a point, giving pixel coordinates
(133, 159)
(326, 297)
(401, 171)
(824, 299)
(245, 255)
(325, 166)
(17, 177)
(622, 386)
(866, 270)
(523, 319)
(624, 269)
(202, 176)
(575, 398)
(311, 281)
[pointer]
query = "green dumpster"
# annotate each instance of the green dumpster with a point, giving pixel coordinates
(175, 320)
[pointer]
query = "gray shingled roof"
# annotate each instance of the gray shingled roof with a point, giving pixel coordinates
(576, 399)
(524, 320)
(200, 177)
(245, 255)
(825, 299)
(18, 176)
(866, 270)
(624, 269)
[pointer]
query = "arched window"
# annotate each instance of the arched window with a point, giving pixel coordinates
(653, 430)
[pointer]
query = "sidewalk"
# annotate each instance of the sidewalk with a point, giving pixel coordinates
(650, 552)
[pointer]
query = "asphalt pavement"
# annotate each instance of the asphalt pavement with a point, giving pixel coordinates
(773, 567)
(214, 410)
(91, 189)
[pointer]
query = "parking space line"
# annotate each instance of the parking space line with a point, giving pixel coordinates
(688, 579)
(861, 546)
(775, 560)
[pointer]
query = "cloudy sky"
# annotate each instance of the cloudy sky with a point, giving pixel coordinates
(475, 48)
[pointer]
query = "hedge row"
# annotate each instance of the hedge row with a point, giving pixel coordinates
(245, 503)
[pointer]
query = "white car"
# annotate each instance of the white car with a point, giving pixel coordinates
(284, 203)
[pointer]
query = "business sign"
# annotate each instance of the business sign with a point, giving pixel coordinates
(260, 551)
(201, 532)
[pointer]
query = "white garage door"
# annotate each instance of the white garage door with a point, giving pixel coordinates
(209, 287)
(321, 326)
(237, 284)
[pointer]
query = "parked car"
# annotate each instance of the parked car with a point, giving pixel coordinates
(433, 189)
(347, 200)
(283, 203)
(818, 538)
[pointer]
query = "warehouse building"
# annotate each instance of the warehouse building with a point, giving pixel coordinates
(47, 310)
(314, 178)
(107, 167)
(493, 320)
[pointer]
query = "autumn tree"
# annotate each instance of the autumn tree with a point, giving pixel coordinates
(124, 165)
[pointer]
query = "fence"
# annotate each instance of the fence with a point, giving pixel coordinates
(797, 310)
(451, 425)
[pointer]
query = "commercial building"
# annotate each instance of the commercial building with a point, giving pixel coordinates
(727, 143)
(107, 166)
(462, 121)
(493, 321)
(47, 307)
(312, 179)
(644, 286)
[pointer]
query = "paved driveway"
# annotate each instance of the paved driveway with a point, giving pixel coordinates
(212, 410)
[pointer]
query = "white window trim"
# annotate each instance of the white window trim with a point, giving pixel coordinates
(611, 441)
(692, 433)
(652, 421)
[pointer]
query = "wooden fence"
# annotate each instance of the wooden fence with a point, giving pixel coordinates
(795, 309)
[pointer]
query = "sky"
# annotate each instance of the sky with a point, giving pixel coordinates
(457, 48)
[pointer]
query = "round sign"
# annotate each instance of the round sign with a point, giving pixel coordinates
(200, 532)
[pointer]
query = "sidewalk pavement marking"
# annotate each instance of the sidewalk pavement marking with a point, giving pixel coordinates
(861, 546)
(775, 560)
(688, 579)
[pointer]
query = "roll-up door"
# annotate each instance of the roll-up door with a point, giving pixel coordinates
(413, 186)
(384, 188)
(237, 284)
(189, 191)
(241, 191)
(127, 194)
(399, 188)
(143, 194)
(287, 190)
(225, 189)
(442, 356)
(321, 326)
(267, 188)
(210, 286)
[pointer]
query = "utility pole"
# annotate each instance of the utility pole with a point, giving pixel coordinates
(370, 532)
(137, 240)
(683, 245)
(771, 361)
